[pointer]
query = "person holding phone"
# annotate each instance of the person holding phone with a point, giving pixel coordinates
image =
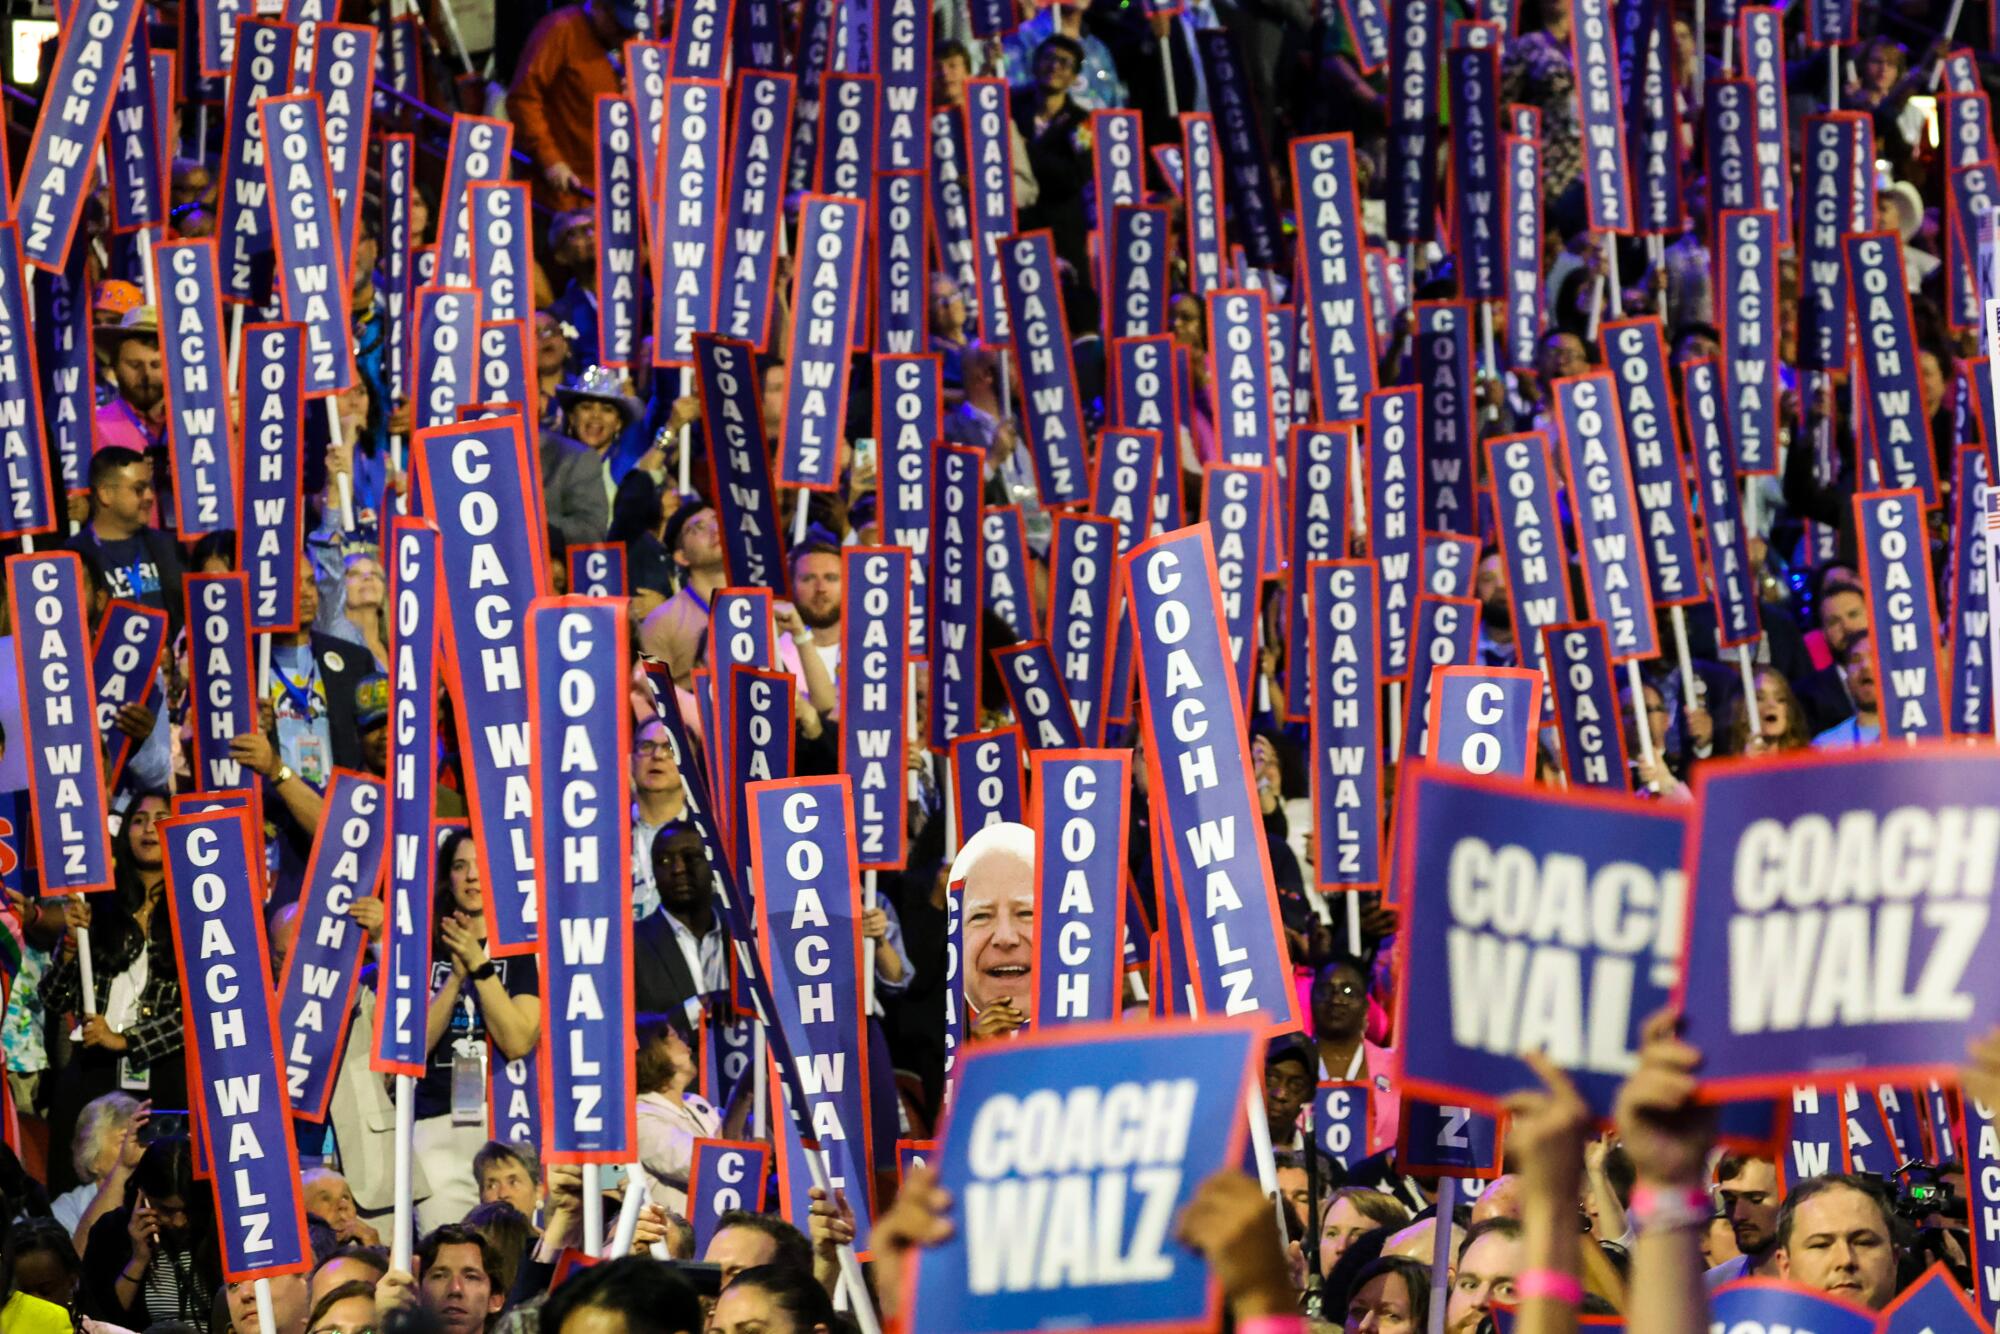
(158, 1257)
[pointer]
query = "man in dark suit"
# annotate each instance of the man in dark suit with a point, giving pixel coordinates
(680, 953)
(1057, 133)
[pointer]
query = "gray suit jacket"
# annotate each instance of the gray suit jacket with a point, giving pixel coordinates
(364, 1120)
(573, 489)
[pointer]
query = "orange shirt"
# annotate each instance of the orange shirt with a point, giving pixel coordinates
(553, 102)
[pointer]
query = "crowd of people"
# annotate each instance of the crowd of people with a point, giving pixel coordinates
(114, 1230)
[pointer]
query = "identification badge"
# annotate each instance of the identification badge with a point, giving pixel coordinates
(468, 1083)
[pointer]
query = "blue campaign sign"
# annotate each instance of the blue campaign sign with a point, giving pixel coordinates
(985, 124)
(124, 662)
(1870, 1146)
(739, 461)
(1729, 137)
(1894, 544)
(216, 909)
(646, 89)
(902, 59)
(1035, 689)
(688, 194)
(1485, 719)
(1136, 297)
(1446, 635)
(900, 216)
(756, 741)
(1653, 117)
(480, 147)
(618, 232)
(1054, 419)
(578, 660)
(1938, 1108)
(1635, 350)
(874, 706)
(1058, 1228)
(1838, 195)
(1896, 434)
(194, 362)
(1118, 170)
(1905, 1121)
(447, 353)
(1600, 116)
(1339, 324)
(1935, 1304)
(1815, 1137)
(1839, 904)
(1971, 602)
(1748, 267)
(55, 178)
(1079, 817)
(1204, 228)
(1368, 20)
(1197, 751)
(305, 226)
(1235, 501)
(26, 488)
(1980, 1136)
(956, 593)
(1240, 378)
(1606, 513)
(514, 1095)
(316, 995)
(1416, 47)
(393, 167)
(1531, 538)
(222, 685)
(1578, 657)
(848, 109)
(1450, 428)
(1082, 560)
(261, 69)
(1003, 539)
(724, 1175)
(1768, 1306)
(403, 982)
(826, 293)
(596, 569)
(1395, 517)
(1252, 206)
(1761, 40)
(1970, 194)
(1543, 922)
(1440, 1139)
(501, 265)
(343, 64)
(490, 567)
(1319, 465)
(1721, 500)
(760, 128)
(1346, 723)
(808, 901)
(909, 418)
(986, 781)
(1526, 314)
(503, 376)
(1341, 1118)
(47, 599)
(68, 369)
(272, 488)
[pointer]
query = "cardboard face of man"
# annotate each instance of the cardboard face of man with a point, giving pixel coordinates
(999, 931)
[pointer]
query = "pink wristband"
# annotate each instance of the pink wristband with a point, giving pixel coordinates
(1669, 1208)
(1549, 1285)
(1272, 1324)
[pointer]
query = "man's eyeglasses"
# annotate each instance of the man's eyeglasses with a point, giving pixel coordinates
(1347, 989)
(652, 750)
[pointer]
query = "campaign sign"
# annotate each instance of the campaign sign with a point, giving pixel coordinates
(1079, 817)
(447, 355)
(1768, 1304)
(1082, 560)
(1434, 1139)
(1829, 22)
(1904, 1119)
(909, 417)
(132, 147)
(617, 207)
(874, 705)
(732, 424)
(1653, 115)
(311, 271)
(1252, 205)
(1416, 40)
(216, 908)
(56, 176)
(646, 89)
(68, 369)
(724, 1175)
(393, 208)
(1485, 719)
(849, 103)
(741, 633)
(1588, 717)
(987, 786)
(901, 246)
(223, 687)
(1117, 167)
(1599, 486)
(1319, 464)
(480, 149)
(1446, 635)
(262, 70)
(343, 63)
(1980, 1135)
(956, 594)
(475, 476)
(197, 388)
(1968, 126)
(24, 455)
(1721, 514)
(1935, 1304)
(1971, 601)
(1473, 86)
(951, 204)
(1395, 516)
(808, 902)
(1555, 919)
(1053, 421)
(1526, 312)
(1346, 721)
(1335, 286)
(985, 127)
(596, 569)
(902, 60)
(1600, 116)
(688, 194)
(1450, 427)
(1531, 540)
(1340, 1120)
(514, 1096)
(814, 58)
(403, 983)
(1035, 690)
(1969, 196)
(124, 663)
(825, 295)
(1895, 549)
(1197, 749)
(1847, 897)
(1451, 563)
(501, 264)
(316, 997)
(1136, 295)
(1729, 137)
(66, 777)
(1004, 542)
(1635, 351)
(1058, 1228)
(1235, 505)
(1839, 199)
(1748, 282)
(578, 661)
(1815, 1137)
(503, 376)
(1938, 1109)
(272, 496)
(1897, 435)
(1870, 1147)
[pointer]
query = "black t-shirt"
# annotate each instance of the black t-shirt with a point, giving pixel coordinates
(145, 569)
(517, 974)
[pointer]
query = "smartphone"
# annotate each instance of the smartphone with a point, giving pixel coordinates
(864, 456)
(611, 1177)
(164, 1123)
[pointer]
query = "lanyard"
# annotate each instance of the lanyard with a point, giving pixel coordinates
(300, 691)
